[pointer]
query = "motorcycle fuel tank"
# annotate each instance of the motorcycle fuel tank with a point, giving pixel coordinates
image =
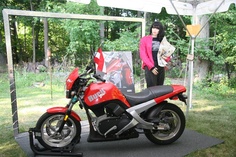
(100, 92)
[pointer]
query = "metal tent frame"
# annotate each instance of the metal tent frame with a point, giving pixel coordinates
(9, 12)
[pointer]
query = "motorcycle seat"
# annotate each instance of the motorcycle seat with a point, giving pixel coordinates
(148, 94)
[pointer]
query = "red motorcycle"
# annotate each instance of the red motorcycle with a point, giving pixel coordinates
(111, 114)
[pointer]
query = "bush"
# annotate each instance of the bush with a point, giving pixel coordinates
(175, 72)
(222, 88)
(232, 83)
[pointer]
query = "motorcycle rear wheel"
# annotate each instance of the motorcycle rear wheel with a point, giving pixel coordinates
(49, 123)
(174, 117)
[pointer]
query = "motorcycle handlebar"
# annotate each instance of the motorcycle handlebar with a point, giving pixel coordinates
(89, 69)
(98, 77)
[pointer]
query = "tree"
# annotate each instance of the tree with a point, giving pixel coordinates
(224, 41)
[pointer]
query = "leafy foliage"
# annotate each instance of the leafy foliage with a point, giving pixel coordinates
(128, 41)
(224, 24)
(73, 41)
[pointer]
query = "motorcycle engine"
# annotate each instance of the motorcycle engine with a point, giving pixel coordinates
(114, 109)
(111, 125)
(114, 121)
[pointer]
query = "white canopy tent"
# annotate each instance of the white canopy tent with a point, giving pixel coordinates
(184, 7)
(192, 8)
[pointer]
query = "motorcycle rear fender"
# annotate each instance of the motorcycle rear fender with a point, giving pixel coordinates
(153, 111)
(63, 110)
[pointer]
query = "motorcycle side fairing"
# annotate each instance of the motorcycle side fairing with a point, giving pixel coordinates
(71, 78)
(63, 110)
(100, 92)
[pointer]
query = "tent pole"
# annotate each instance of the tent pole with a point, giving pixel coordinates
(190, 72)
(190, 81)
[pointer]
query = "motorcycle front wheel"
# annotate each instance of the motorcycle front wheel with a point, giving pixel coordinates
(171, 116)
(48, 124)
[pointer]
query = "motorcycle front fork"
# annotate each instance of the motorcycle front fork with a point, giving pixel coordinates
(69, 107)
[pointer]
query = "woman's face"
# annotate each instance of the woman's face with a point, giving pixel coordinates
(155, 32)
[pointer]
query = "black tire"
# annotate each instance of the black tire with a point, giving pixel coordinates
(174, 117)
(48, 123)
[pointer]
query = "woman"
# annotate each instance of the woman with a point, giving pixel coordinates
(149, 47)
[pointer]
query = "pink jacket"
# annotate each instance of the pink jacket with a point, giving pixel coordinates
(145, 50)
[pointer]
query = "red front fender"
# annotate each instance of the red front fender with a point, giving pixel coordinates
(63, 110)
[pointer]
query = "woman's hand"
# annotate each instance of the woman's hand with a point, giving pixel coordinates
(155, 71)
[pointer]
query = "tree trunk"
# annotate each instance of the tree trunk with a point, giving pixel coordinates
(33, 42)
(33, 38)
(45, 22)
(201, 66)
(1, 40)
(14, 39)
(148, 22)
(102, 34)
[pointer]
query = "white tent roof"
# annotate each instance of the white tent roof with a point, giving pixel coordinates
(183, 7)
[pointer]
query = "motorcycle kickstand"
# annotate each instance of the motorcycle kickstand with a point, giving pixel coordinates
(43, 151)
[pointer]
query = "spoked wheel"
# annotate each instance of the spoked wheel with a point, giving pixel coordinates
(171, 122)
(48, 124)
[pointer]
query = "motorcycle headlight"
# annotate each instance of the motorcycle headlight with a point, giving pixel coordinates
(69, 93)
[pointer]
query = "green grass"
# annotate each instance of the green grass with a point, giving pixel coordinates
(213, 112)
